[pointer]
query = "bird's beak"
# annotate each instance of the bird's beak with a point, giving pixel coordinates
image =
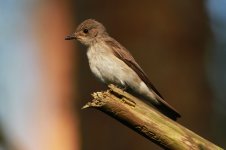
(70, 37)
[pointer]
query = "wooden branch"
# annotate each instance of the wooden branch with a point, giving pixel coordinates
(146, 121)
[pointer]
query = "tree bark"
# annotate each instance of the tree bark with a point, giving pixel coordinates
(147, 121)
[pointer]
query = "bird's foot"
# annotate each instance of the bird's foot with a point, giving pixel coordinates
(123, 88)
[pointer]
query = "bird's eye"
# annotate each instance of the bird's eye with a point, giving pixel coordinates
(85, 30)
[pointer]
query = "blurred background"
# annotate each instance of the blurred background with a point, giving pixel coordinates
(45, 80)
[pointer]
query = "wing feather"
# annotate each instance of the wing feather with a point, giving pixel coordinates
(126, 57)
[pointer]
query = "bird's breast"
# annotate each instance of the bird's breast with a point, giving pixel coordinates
(112, 70)
(106, 66)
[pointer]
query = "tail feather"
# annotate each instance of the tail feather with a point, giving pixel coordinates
(167, 109)
(161, 105)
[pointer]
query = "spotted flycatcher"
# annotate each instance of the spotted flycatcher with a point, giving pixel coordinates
(113, 64)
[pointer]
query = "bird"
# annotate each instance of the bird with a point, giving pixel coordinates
(112, 63)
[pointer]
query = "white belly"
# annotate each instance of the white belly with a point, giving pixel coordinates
(107, 67)
(111, 70)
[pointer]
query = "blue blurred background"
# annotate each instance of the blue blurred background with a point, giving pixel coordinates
(45, 80)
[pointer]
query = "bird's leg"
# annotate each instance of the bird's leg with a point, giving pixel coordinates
(125, 99)
(122, 87)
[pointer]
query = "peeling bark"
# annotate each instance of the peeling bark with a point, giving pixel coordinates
(147, 121)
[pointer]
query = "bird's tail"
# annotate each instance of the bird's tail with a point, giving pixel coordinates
(166, 109)
(158, 102)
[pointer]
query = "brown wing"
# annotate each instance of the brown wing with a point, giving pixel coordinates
(126, 57)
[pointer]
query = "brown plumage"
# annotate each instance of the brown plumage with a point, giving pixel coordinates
(113, 64)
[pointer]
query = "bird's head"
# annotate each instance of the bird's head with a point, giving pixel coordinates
(88, 32)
